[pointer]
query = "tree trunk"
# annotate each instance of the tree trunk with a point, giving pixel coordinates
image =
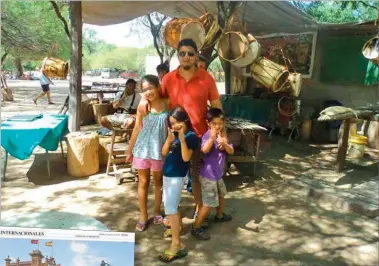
(3, 58)
(228, 77)
(75, 66)
(18, 67)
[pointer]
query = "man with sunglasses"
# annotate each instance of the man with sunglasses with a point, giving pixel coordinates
(192, 88)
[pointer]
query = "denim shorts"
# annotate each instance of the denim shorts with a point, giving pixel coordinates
(172, 192)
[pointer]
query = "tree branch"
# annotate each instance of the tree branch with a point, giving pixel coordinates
(368, 5)
(59, 15)
(3, 57)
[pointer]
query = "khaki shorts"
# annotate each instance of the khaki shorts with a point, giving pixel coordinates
(118, 120)
(211, 191)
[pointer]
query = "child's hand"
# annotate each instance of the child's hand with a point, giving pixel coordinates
(170, 135)
(220, 148)
(181, 134)
(129, 157)
(213, 134)
(221, 141)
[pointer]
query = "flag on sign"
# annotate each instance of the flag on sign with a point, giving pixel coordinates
(34, 242)
(49, 244)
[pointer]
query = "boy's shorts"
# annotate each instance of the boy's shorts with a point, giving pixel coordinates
(211, 190)
(45, 88)
(154, 165)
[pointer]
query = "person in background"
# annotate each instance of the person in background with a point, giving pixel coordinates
(45, 84)
(145, 146)
(178, 149)
(215, 147)
(192, 88)
(202, 62)
(127, 101)
(162, 70)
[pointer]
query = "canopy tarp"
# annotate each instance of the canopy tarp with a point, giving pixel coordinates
(261, 17)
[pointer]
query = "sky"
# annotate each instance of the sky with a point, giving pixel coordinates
(71, 253)
(118, 35)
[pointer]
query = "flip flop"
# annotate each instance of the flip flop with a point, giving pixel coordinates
(158, 219)
(141, 226)
(168, 256)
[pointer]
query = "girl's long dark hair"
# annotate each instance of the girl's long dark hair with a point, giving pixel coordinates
(180, 115)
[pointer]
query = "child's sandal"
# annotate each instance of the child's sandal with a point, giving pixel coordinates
(141, 226)
(158, 219)
(168, 256)
(166, 222)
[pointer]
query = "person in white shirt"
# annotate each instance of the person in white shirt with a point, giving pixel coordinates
(45, 84)
(127, 101)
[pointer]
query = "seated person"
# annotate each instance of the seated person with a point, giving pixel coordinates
(162, 70)
(127, 101)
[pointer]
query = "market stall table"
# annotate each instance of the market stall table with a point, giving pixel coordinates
(348, 117)
(22, 133)
(246, 127)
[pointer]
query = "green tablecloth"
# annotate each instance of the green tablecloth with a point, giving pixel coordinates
(247, 107)
(19, 138)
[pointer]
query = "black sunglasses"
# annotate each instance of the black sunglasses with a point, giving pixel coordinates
(183, 54)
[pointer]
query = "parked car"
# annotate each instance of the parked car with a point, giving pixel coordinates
(109, 73)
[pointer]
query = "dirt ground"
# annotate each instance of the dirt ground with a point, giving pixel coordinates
(273, 223)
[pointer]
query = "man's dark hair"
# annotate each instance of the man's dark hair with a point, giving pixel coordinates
(163, 68)
(187, 42)
(215, 113)
(131, 81)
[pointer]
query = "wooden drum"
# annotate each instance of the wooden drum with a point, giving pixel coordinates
(82, 154)
(238, 49)
(295, 83)
(271, 75)
(178, 29)
(212, 29)
(371, 50)
(55, 68)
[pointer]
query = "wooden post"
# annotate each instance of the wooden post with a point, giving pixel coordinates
(75, 66)
(342, 146)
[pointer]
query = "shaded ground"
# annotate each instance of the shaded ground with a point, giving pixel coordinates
(273, 223)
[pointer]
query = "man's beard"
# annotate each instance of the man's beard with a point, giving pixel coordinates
(187, 67)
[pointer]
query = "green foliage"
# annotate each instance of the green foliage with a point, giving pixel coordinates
(340, 11)
(125, 58)
(217, 70)
(31, 30)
